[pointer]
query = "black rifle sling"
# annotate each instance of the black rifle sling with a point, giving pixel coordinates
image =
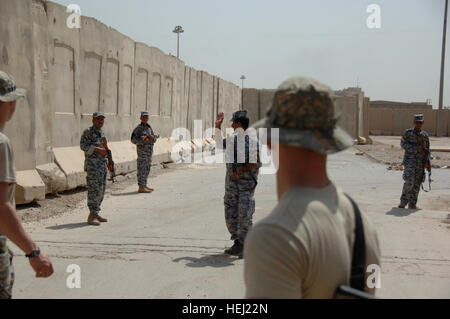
(357, 279)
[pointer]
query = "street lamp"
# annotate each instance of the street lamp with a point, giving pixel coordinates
(243, 78)
(242, 91)
(178, 29)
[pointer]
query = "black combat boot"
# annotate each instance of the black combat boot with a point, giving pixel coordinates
(236, 249)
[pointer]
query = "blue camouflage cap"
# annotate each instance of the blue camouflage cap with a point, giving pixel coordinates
(97, 114)
(8, 90)
(304, 112)
(418, 118)
(144, 113)
(242, 114)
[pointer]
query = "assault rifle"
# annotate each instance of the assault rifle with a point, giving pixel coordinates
(110, 165)
(425, 161)
(155, 137)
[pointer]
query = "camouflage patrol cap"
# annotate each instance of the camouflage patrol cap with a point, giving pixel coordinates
(305, 114)
(98, 114)
(242, 114)
(8, 90)
(418, 118)
(144, 113)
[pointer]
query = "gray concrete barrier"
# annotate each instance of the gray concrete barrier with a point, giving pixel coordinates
(71, 73)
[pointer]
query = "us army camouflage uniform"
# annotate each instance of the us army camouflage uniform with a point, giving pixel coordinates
(6, 270)
(95, 167)
(414, 162)
(144, 152)
(239, 200)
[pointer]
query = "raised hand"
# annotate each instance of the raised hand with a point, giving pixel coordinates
(219, 119)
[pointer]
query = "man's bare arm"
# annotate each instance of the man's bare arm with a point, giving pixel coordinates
(10, 225)
(12, 228)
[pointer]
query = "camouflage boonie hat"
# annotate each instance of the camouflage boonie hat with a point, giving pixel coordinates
(242, 114)
(97, 114)
(418, 118)
(305, 114)
(8, 90)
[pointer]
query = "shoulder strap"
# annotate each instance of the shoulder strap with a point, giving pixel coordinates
(357, 279)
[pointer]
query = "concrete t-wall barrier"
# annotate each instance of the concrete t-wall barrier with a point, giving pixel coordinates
(71, 73)
(390, 121)
(351, 104)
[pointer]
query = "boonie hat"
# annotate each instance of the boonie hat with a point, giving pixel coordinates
(8, 90)
(98, 114)
(242, 114)
(304, 112)
(418, 118)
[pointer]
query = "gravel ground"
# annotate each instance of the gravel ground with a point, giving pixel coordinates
(58, 204)
(392, 155)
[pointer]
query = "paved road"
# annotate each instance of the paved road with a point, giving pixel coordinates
(169, 244)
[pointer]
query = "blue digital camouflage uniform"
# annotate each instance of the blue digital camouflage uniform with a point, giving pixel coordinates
(239, 197)
(95, 167)
(144, 152)
(414, 162)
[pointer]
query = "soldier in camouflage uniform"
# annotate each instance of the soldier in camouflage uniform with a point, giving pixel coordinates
(144, 138)
(416, 144)
(243, 165)
(92, 141)
(10, 225)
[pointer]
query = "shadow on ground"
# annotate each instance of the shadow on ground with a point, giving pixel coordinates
(69, 226)
(401, 212)
(125, 194)
(218, 260)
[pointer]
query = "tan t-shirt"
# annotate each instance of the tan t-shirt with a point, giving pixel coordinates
(303, 249)
(7, 168)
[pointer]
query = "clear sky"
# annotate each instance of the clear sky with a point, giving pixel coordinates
(271, 40)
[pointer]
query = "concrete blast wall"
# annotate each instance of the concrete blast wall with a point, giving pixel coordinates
(395, 121)
(353, 110)
(71, 73)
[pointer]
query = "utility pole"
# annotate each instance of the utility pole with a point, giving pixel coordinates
(178, 29)
(441, 88)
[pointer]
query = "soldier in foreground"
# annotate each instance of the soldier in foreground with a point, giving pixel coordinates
(416, 159)
(303, 249)
(241, 178)
(144, 138)
(92, 141)
(10, 225)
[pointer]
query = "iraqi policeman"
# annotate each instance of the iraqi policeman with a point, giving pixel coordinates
(95, 165)
(144, 138)
(416, 159)
(242, 168)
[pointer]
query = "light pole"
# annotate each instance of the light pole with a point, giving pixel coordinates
(178, 29)
(243, 78)
(242, 91)
(441, 88)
